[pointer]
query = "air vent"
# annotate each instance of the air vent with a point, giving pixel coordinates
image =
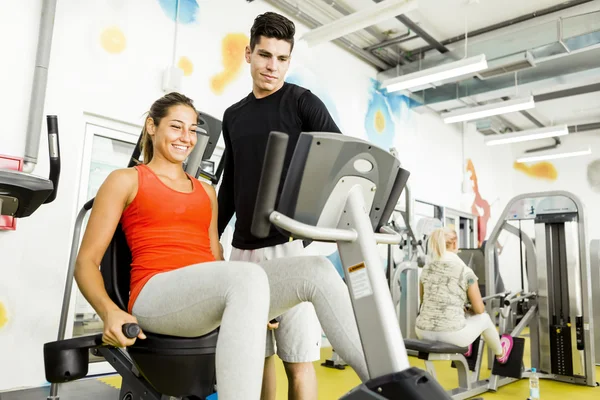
(506, 65)
(489, 127)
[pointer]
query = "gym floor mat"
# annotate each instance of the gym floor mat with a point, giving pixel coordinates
(78, 390)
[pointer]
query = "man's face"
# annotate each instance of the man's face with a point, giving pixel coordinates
(269, 63)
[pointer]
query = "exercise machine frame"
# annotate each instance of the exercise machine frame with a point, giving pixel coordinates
(560, 207)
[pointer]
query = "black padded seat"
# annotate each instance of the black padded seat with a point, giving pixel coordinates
(430, 346)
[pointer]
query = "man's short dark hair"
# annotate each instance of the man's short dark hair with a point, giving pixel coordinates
(272, 25)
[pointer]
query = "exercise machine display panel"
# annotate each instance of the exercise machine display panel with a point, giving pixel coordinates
(325, 166)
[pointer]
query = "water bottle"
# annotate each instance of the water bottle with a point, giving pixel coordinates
(534, 385)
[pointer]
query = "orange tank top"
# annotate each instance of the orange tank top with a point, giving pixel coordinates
(165, 229)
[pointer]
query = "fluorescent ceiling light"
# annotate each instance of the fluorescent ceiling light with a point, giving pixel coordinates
(435, 74)
(532, 134)
(358, 20)
(488, 110)
(552, 155)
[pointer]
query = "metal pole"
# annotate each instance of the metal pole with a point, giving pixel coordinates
(38, 89)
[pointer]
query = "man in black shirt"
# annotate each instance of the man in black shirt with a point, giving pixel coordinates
(273, 105)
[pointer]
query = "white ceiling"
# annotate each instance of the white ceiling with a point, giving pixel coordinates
(444, 19)
(575, 110)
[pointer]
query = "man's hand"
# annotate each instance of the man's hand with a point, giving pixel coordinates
(273, 324)
(221, 251)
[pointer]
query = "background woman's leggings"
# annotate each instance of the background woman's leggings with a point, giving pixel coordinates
(479, 324)
(241, 298)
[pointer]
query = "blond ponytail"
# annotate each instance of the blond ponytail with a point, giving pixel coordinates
(439, 241)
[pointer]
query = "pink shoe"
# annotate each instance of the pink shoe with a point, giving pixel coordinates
(506, 341)
(468, 353)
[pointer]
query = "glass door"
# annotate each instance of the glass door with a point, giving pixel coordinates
(105, 150)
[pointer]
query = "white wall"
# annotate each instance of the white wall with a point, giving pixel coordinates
(83, 78)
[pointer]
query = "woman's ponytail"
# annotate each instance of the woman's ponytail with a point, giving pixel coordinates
(437, 244)
(147, 145)
(439, 241)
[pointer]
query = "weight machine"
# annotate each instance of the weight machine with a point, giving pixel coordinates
(560, 313)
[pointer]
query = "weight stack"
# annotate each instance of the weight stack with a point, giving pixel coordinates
(561, 360)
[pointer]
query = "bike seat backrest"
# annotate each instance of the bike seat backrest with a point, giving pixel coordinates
(116, 269)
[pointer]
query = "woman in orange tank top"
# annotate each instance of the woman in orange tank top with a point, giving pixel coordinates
(180, 284)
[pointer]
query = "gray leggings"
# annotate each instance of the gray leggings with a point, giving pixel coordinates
(241, 298)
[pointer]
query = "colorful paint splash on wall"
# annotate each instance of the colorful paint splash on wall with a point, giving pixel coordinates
(307, 79)
(3, 315)
(593, 175)
(382, 108)
(188, 10)
(186, 65)
(541, 170)
(480, 206)
(232, 52)
(112, 40)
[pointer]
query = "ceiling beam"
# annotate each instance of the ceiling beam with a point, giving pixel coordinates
(410, 24)
(344, 11)
(371, 30)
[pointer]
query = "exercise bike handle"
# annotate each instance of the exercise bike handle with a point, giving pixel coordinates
(131, 330)
(523, 296)
(268, 186)
(54, 152)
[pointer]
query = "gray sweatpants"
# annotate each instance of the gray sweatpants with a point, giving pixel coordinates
(241, 298)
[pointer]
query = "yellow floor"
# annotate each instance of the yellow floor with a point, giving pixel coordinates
(334, 383)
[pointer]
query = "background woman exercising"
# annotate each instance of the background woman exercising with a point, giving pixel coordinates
(179, 284)
(446, 282)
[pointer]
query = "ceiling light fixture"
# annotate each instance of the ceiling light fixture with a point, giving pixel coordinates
(358, 20)
(552, 155)
(524, 136)
(435, 74)
(488, 110)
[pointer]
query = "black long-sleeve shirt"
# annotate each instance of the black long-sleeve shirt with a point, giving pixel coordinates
(246, 128)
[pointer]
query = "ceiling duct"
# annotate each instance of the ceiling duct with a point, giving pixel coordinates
(519, 50)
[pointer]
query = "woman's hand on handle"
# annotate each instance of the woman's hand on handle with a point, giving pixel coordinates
(113, 329)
